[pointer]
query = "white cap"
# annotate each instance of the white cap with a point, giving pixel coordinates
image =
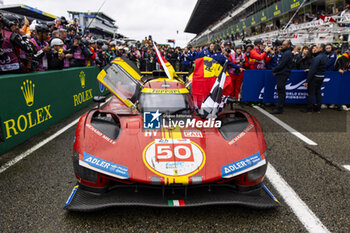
(56, 41)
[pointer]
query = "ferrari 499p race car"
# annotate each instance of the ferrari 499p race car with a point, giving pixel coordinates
(125, 155)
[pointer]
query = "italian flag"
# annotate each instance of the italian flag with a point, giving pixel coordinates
(176, 203)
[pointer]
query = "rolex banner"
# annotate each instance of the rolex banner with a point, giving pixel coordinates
(30, 103)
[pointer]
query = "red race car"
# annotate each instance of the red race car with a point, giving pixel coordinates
(148, 147)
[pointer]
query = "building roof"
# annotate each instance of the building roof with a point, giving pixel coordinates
(21, 9)
(206, 12)
(103, 15)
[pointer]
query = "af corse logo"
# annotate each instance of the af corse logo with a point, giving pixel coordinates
(151, 120)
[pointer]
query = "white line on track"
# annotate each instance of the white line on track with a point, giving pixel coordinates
(347, 167)
(287, 127)
(40, 144)
(300, 209)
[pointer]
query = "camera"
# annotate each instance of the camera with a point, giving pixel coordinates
(228, 50)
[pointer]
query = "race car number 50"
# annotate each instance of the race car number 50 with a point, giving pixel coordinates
(174, 157)
(174, 152)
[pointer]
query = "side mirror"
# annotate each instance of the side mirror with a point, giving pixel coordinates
(99, 100)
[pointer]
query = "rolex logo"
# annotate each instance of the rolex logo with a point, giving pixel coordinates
(82, 79)
(276, 7)
(28, 92)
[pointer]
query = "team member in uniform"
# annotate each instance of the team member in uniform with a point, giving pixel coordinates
(282, 72)
(315, 78)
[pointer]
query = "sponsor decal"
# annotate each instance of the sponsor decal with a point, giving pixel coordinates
(192, 134)
(28, 92)
(82, 79)
(151, 120)
(176, 203)
(30, 119)
(240, 165)
(106, 166)
(71, 195)
(295, 91)
(82, 97)
(100, 134)
(239, 136)
(150, 132)
(174, 157)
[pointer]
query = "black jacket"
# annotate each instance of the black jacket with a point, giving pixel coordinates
(285, 64)
(318, 67)
(53, 61)
(302, 63)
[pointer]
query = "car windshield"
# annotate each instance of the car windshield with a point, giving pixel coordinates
(165, 103)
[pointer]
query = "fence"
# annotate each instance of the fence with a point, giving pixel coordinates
(260, 86)
(30, 103)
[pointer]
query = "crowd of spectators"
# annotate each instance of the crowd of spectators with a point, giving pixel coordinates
(56, 45)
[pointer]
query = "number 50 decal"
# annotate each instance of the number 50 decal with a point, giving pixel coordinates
(174, 152)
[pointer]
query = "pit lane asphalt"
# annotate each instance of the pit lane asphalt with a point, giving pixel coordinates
(34, 190)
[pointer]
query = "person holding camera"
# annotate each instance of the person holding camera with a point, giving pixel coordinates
(276, 55)
(11, 43)
(258, 56)
(56, 56)
(41, 46)
(186, 59)
(237, 57)
(282, 72)
(77, 48)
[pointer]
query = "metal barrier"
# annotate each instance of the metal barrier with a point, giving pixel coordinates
(30, 103)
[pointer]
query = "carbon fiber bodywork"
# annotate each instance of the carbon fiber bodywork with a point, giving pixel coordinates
(159, 196)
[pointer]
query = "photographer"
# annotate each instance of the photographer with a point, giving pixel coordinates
(186, 59)
(76, 49)
(258, 55)
(10, 43)
(56, 56)
(237, 57)
(276, 55)
(41, 46)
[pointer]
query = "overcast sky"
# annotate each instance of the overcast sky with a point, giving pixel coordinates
(135, 18)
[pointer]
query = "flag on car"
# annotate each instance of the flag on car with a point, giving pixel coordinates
(215, 100)
(168, 68)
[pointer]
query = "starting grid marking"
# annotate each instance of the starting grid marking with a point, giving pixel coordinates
(347, 167)
(40, 144)
(298, 206)
(287, 127)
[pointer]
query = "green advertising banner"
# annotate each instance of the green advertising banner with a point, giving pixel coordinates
(32, 102)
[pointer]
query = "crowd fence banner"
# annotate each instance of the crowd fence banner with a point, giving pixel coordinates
(30, 103)
(260, 86)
